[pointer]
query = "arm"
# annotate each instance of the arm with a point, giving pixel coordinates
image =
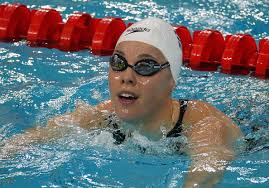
(211, 135)
(84, 116)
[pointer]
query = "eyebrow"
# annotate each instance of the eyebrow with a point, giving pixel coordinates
(146, 56)
(140, 56)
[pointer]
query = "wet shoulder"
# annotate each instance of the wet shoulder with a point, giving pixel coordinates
(205, 114)
(88, 116)
(106, 105)
(197, 110)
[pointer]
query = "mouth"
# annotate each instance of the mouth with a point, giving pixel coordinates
(127, 97)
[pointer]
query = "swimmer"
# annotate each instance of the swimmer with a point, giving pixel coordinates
(144, 70)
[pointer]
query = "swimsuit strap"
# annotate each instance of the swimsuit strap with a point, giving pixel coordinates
(183, 107)
(176, 131)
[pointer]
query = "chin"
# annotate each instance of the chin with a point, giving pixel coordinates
(130, 113)
(127, 115)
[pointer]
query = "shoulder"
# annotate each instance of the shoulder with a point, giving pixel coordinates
(103, 106)
(84, 115)
(197, 110)
(106, 105)
(204, 116)
(84, 107)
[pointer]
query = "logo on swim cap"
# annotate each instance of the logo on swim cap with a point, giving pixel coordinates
(136, 30)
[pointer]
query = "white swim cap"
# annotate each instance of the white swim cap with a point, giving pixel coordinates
(161, 35)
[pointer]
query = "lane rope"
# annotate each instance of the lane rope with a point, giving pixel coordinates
(205, 50)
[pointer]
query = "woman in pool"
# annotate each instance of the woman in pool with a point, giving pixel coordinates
(143, 72)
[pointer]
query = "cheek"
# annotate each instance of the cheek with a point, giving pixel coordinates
(113, 80)
(154, 89)
(144, 82)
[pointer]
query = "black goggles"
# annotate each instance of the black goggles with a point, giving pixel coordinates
(144, 67)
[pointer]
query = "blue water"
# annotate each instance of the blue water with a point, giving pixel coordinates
(38, 83)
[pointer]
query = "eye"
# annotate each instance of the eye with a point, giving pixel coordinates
(146, 66)
(117, 62)
(143, 66)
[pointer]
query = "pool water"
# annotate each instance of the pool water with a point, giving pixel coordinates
(38, 83)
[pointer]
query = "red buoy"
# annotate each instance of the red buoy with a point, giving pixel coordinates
(239, 54)
(14, 21)
(262, 66)
(45, 28)
(207, 49)
(106, 35)
(2, 8)
(76, 33)
(129, 24)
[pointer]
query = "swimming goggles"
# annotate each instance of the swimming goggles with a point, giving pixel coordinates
(144, 67)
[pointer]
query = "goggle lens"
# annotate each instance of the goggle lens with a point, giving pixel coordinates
(145, 67)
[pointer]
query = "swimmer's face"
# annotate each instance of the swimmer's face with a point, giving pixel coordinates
(135, 97)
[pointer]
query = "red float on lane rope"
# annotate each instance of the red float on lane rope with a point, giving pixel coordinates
(129, 24)
(262, 66)
(14, 21)
(239, 54)
(2, 8)
(106, 35)
(76, 33)
(207, 49)
(45, 28)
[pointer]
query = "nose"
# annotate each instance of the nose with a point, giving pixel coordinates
(128, 76)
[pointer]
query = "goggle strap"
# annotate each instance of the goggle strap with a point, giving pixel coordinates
(163, 66)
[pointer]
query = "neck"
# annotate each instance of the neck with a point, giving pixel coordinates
(151, 124)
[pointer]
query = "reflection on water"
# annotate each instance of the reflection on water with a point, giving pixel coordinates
(96, 157)
(90, 158)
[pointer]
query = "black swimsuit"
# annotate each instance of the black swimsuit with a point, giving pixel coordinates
(175, 132)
